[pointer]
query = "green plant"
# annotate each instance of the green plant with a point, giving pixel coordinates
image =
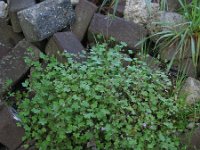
(99, 102)
(186, 37)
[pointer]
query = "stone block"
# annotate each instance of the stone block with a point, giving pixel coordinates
(41, 44)
(74, 2)
(10, 134)
(3, 51)
(4, 21)
(14, 7)
(3, 12)
(171, 52)
(63, 42)
(119, 9)
(46, 18)
(170, 21)
(13, 66)
(8, 38)
(138, 11)
(185, 66)
(191, 90)
(84, 13)
(118, 28)
(3, 9)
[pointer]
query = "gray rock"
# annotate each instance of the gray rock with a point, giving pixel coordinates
(171, 21)
(118, 28)
(3, 51)
(139, 12)
(171, 52)
(84, 13)
(13, 66)
(191, 125)
(10, 134)
(8, 38)
(186, 66)
(3, 10)
(74, 2)
(4, 21)
(45, 19)
(63, 42)
(3, 13)
(191, 90)
(14, 7)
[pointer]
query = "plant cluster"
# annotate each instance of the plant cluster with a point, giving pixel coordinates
(185, 36)
(100, 103)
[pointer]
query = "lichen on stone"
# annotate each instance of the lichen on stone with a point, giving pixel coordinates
(139, 12)
(3, 9)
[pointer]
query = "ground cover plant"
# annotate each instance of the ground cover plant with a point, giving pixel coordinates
(100, 103)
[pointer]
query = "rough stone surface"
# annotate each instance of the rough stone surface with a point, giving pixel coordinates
(169, 52)
(3, 51)
(10, 134)
(186, 66)
(138, 11)
(63, 42)
(44, 19)
(4, 21)
(118, 28)
(172, 21)
(74, 2)
(14, 7)
(191, 90)
(41, 44)
(13, 64)
(3, 9)
(8, 38)
(84, 13)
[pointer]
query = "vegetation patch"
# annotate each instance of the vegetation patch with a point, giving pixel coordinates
(100, 103)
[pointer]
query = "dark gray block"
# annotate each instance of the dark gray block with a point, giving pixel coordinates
(63, 42)
(13, 65)
(3, 51)
(46, 18)
(10, 134)
(118, 28)
(14, 7)
(8, 38)
(84, 13)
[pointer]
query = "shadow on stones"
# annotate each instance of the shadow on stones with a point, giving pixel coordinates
(16, 87)
(2, 147)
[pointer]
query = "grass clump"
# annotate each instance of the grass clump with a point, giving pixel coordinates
(184, 36)
(100, 103)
